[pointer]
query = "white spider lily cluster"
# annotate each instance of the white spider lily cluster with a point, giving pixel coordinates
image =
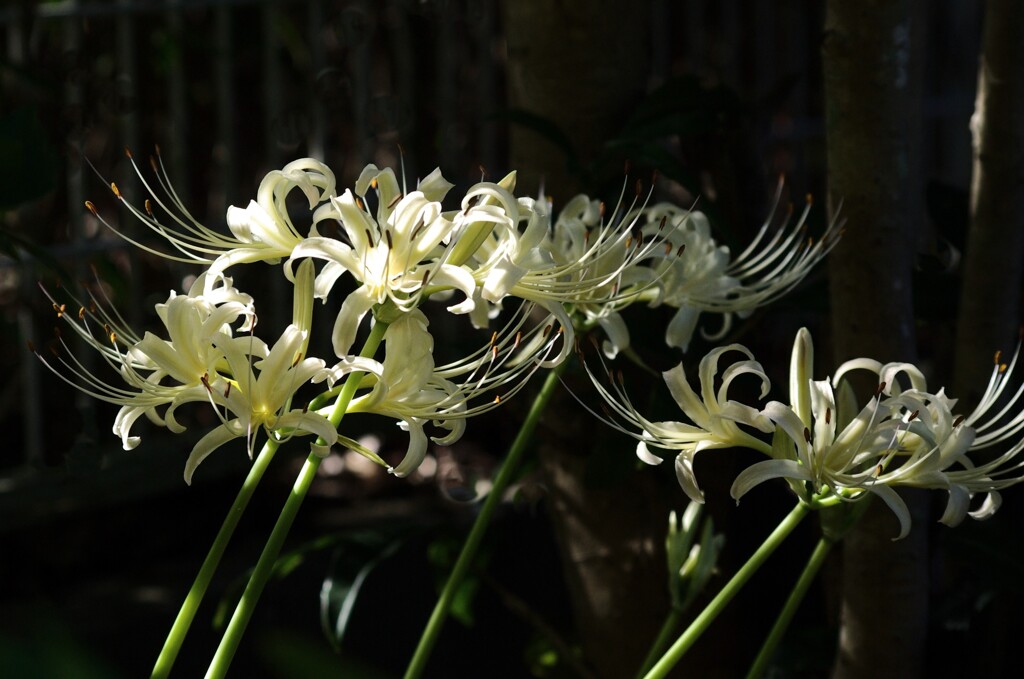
(402, 248)
(831, 449)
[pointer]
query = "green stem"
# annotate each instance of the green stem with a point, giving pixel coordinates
(707, 616)
(265, 566)
(668, 630)
(469, 549)
(810, 571)
(168, 654)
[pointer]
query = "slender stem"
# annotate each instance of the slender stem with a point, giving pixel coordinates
(265, 566)
(810, 571)
(505, 475)
(668, 630)
(165, 661)
(707, 616)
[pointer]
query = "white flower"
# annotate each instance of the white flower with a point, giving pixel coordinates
(263, 399)
(155, 371)
(261, 232)
(714, 417)
(394, 256)
(832, 450)
(707, 279)
(410, 388)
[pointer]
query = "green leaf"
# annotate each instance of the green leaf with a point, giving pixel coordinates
(351, 565)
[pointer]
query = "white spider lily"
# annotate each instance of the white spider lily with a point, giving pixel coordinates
(827, 447)
(579, 263)
(707, 279)
(155, 372)
(394, 256)
(410, 388)
(714, 416)
(263, 399)
(260, 232)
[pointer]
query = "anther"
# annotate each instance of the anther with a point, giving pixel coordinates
(81, 313)
(1002, 368)
(639, 188)
(152, 164)
(661, 224)
(395, 200)
(156, 147)
(227, 390)
(497, 399)
(828, 415)
(205, 379)
(959, 419)
(809, 198)
(913, 416)
(997, 357)
(601, 209)
(149, 207)
(128, 152)
(387, 237)
(297, 359)
(91, 208)
(31, 347)
(373, 183)
(519, 338)
(807, 434)
(681, 250)
(494, 338)
(426, 277)
(113, 337)
(668, 246)
(547, 330)
(880, 389)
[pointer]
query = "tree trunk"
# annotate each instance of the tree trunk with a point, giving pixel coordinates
(583, 68)
(872, 88)
(990, 297)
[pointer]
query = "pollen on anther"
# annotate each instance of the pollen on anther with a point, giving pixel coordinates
(497, 399)
(880, 389)
(81, 313)
(913, 416)
(117, 191)
(996, 358)
(494, 338)
(128, 152)
(149, 207)
(91, 208)
(113, 337)
(828, 415)
(807, 434)
(31, 347)
(1002, 368)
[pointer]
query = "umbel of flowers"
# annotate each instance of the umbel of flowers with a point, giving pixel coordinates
(527, 279)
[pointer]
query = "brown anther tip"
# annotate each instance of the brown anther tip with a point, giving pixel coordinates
(81, 313)
(156, 147)
(91, 208)
(828, 415)
(681, 250)
(668, 248)
(494, 338)
(996, 358)
(661, 224)
(31, 347)
(152, 164)
(387, 237)
(395, 201)
(809, 198)
(547, 330)
(305, 408)
(227, 391)
(117, 192)
(128, 153)
(148, 206)
(958, 421)
(113, 338)
(654, 177)
(561, 330)
(626, 167)
(601, 209)
(880, 389)
(519, 338)
(639, 188)
(807, 434)
(913, 416)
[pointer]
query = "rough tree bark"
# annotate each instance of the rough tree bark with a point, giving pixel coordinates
(583, 68)
(991, 292)
(872, 96)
